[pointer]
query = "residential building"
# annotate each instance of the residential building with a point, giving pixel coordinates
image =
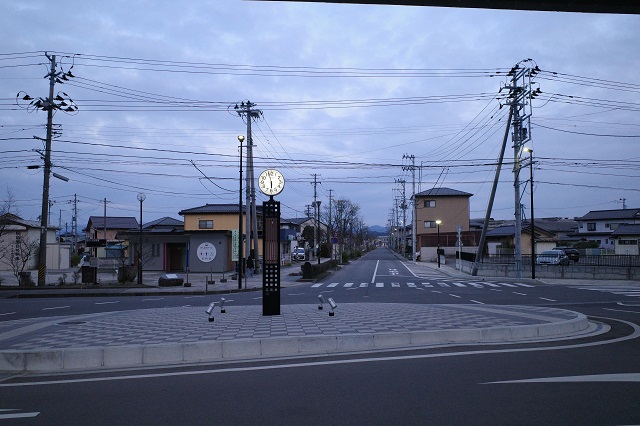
(626, 239)
(20, 241)
(451, 208)
(102, 235)
(599, 225)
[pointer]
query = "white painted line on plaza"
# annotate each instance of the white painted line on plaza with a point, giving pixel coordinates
(55, 307)
(521, 294)
(550, 300)
(475, 301)
(7, 313)
(375, 271)
(454, 295)
(107, 303)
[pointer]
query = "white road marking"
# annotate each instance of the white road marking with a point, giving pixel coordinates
(375, 271)
(523, 284)
(521, 294)
(316, 285)
(153, 299)
(475, 301)
(6, 416)
(395, 284)
(364, 285)
(443, 284)
(624, 377)
(379, 285)
(333, 285)
(107, 303)
(457, 284)
(454, 295)
(427, 285)
(507, 285)
(347, 285)
(411, 285)
(55, 307)
(550, 300)
(7, 313)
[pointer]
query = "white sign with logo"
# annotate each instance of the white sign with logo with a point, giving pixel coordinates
(206, 252)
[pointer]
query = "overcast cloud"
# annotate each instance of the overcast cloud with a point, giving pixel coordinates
(402, 69)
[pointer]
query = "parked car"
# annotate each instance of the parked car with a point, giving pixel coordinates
(552, 257)
(572, 254)
(298, 253)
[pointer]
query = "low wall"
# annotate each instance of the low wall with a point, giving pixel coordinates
(556, 271)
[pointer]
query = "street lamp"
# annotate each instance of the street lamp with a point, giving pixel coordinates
(240, 257)
(438, 222)
(141, 198)
(533, 242)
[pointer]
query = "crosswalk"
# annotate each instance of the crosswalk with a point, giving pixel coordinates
(622, 290)
(422, 285)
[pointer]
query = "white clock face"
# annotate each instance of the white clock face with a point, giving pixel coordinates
(271, 182)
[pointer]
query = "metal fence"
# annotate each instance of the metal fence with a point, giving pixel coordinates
(604, 260)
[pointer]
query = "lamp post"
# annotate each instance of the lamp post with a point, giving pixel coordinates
(438, 222)
(141, 198)
(533, 240)
(240, 257)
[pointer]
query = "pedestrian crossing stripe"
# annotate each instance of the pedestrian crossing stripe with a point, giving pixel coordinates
(478, 285)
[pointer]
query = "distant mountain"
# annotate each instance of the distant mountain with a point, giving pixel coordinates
(378, 230)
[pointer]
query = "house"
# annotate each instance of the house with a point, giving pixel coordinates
(599, 225)
(164, 245)
(626, 239)
(212, 225)
(549, 232)
(20, 242)
(101, 235)
(451, 209)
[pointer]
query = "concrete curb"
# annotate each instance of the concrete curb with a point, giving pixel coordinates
(241, 349)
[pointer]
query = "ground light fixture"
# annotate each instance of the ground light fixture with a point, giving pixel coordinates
(212, 306)
(333, 306)
(321, 299)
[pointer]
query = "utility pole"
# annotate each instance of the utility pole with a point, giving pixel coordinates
(244, 110)
(403, 206)
(49, 105)
(316, 207)
(520, 111)
(414, 218)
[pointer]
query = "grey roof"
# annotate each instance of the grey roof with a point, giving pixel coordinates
(611, 214)
(98, 222)
(296, 220)
(443, 192)
(164, 224)
(627, 230)
(9, 218)
(216, 208)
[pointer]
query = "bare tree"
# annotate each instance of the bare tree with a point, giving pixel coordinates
(21, 253)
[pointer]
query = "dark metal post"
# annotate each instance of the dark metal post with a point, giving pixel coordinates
(533, 234)
(240, 263)
(438, 250)
(141, 198)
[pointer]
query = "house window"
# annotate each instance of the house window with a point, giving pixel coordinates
(430, 224)
(205, 224)
(614, 226)
(591, 226)
(430, 203)
(628, 242)
(155, 250)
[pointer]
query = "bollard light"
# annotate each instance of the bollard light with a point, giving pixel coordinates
(333, 306)
(210, 310)
(222, 310)
(321, 299)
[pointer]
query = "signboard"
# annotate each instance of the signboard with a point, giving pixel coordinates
(206, 252)
(235, 245)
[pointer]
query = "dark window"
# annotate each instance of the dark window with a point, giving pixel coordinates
(591, 226)
(430, 224)
(430, 203)
(205, 224)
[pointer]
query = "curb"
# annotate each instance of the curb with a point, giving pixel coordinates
(243, 349)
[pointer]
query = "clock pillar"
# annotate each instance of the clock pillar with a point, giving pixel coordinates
(271, 257)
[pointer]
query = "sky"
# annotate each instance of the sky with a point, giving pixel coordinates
(348, 94)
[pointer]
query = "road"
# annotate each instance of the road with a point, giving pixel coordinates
(591, 380)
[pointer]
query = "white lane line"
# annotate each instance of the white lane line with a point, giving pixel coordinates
(7, 313)
(475, 301)
(521, 294)
(523, 284)
(443, 284)
(550, 300)
(333, 285)
(347, 285)
(454, 295)
(55, 307)
(507, 285)
(494, 289)
(624, 377)
(459, 284)
(375, 271)
(319, 284)
(379, 285)
(153, 299)
(436, 291)
(16, 415)
(107, 303)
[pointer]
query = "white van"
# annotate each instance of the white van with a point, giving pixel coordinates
(298, 253)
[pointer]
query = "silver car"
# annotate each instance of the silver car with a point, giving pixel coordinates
(552, 257)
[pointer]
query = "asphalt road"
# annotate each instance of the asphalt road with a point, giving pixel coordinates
(593, 380)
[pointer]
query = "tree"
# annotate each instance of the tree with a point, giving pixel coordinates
(21, 253)
(348, 226)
